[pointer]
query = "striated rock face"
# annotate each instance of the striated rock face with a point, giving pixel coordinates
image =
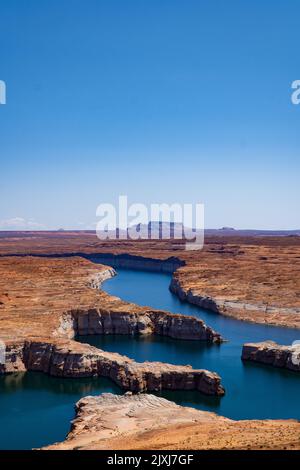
(47, 297)
(144, 263)
(14, 358)
(192, 297)
(143, 421)
(271, 353)
(259, 312)
(98, 278)
(251, 278)
(67, 358)
(101, 321)
(47, 302)
(183, 327)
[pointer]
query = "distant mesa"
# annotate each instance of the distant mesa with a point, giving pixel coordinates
(161, 229)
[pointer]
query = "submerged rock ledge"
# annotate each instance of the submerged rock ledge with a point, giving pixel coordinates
(143, 421)
(67, 358)
(271, 353)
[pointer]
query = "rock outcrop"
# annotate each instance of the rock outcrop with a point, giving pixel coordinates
(101, 321)
(258, 312)
(67, 358)
(251, 278)
(46, 297)
(39, 321)
(271, 353)
(143, 421)
(144, 263)
(192, 297)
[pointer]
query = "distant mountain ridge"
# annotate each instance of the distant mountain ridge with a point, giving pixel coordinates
(174, 228)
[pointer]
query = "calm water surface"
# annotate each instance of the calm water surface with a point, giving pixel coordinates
(36, 410)
(252, 390)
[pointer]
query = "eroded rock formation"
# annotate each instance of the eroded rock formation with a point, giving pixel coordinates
(271, 353)
(252, 278)
(128, 261)
(39, 320)
(61, 298)
(101, 321)
(149, 422)
(67, 358)
(212, 298)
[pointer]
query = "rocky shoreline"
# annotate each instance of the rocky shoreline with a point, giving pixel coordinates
(250, 278)
(67, 358)
(144, 421)
(51, 301)
(243, 311)
(144, 263)
(139, 321)
(109, 322)
(273, 354)
(45, 301)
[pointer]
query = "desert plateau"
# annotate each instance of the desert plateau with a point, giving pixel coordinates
(52, 293)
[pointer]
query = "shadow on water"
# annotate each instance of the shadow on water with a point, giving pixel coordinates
(153, 348)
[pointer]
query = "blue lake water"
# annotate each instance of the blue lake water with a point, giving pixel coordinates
(36, 410)
(252, 390)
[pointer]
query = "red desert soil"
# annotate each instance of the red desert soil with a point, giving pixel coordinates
(148, 422)
(35, 292)
(45, 302)
(250, 278)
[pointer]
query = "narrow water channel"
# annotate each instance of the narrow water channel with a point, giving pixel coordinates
(252, 390)
(36, 410)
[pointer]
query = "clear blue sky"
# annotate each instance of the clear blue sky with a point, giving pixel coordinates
(162, 100)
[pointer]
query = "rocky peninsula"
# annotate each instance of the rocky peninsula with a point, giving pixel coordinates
(49, 294)
(252, 278)
(146, 421)
(67, 358)
(47, 302)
